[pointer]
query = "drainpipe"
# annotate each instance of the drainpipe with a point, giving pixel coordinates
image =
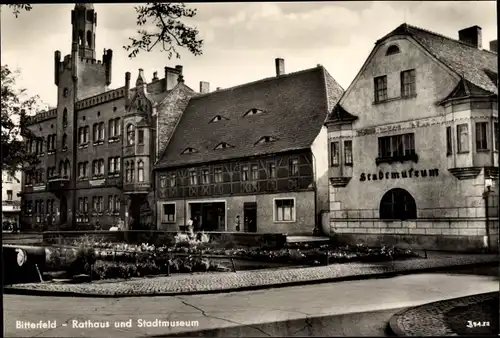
(317, 230)
(486, 194)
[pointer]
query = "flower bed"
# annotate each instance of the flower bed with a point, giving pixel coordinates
(194, 253)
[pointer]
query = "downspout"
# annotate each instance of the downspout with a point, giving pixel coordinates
(487, 219)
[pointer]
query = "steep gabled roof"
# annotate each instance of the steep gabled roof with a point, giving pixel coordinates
(295, 106)
(471, 63)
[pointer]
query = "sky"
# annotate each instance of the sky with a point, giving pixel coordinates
(241, 40)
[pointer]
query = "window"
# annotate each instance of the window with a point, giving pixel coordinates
(98, 167)
(114, 127)
(140, 137)
(65, 92)
(481, 136)
(140, 171)
(9, 195)
(393, 49)
(129, 171)
(205, 176)
(396, 147)
(130, 135)
(83, 169)
(496, 135)
(284, 210)
(254, 111)
(380, 88)
(51, 143)
(114, 165)
(117, 207)
(223, 145)
(408, 83)
(111, 203)
(398, 204)
(334, 153)
(98, 203)
(8, 179)
(163, 181)
(83, 133)
(463, 138)
(172, 180)
(294, 167)
(168, 214)
(189, 151)
(272, 170)
(266, 139)
(65, 142)
(348, 152)
(193, 177)
(218, 175)
(449, 141)
(254, 172)
(244, 173)
(50, 206)
(65, 117)
(98, 131)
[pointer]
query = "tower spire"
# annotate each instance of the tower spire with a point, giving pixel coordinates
(84, 22)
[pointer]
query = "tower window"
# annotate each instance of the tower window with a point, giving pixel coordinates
(89, 39)
(80, 37)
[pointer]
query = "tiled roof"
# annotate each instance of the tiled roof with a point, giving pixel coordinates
(465, 89)
(294, 108)
(474, 65)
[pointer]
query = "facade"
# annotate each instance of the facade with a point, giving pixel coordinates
(413, 144)
(250, 158)
(11, 201)
(99, 144)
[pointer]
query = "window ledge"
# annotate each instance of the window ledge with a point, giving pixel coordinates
(284, 221)
(462, 152)
(412, 157)
(335, 165)
(349, 164)
(483, 150)
(52, 152)
(97, 177)
(83, 145)
(169, 222)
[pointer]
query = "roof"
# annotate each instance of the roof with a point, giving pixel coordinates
(290, 109)
(340, 115)
(465, 89)
(477, 66)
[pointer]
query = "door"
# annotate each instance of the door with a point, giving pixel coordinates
(250, 217)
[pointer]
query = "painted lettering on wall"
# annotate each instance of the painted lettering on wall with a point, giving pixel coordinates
(394, 175)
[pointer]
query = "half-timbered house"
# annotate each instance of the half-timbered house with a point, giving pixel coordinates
(252, 158)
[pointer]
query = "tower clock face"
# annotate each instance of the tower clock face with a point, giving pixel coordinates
(21, 257)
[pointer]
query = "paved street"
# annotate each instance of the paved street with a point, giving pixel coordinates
(348, 301)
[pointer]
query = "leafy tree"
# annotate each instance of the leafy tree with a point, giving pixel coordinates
(168, 30)
(15, 136)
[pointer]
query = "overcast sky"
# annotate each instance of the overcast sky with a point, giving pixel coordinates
(241, 39)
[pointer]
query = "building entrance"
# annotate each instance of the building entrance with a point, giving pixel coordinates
(208, 216)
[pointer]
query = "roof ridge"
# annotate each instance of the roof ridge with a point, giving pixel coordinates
(257, 81)
(448, 38)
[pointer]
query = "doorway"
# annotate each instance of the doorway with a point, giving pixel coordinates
(250, 216)
(208, 216)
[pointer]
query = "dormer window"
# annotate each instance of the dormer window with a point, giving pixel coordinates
(393, 49)
(266, 139)
(217, 119)
(223, 145)
(189, 151)
(254, 111)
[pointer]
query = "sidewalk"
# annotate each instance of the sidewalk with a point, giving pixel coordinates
(449, 317)
(184, 284)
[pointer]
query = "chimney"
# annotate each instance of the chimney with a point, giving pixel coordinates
(204, 87)
(127, 87)
(179, 69)
(471, 36)
(280, 67)
(494, 46)
(218, 88)
(155, 76)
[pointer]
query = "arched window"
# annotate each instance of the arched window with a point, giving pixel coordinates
(89, 39)
(398, 204)
(132, 165)
(65, 117)
(393, 49)
(67, 169)
(140, 171)
(61, 169)
(65, 141)
(130, 135)
(80, 37)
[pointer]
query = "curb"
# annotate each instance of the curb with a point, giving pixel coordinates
(390, 274)
(394, 327)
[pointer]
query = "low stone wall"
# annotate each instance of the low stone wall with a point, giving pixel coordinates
(165, 237)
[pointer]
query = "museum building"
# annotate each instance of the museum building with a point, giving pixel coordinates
(413, 144)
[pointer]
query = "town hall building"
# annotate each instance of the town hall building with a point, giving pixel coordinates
(413, 144)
